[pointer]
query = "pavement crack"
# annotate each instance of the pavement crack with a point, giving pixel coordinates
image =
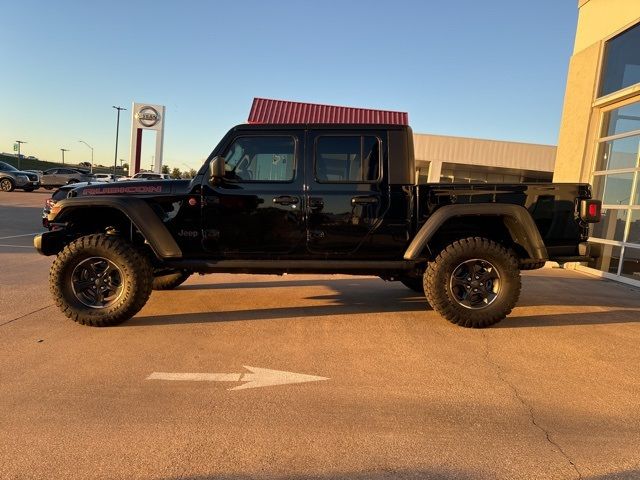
(25, 315)
(528, 407)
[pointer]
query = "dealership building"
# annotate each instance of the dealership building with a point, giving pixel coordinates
(600, 130)
(446, 159)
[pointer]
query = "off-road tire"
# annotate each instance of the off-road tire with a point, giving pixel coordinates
(7, 185)
(169, 281)
(439, 274)
(136, 271)
(413, 283)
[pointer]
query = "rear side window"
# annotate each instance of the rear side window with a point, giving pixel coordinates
(261, 159)
(347, 159)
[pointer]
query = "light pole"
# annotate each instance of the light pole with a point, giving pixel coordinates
(19, 142)
(115, 158)
(82, 141)
(64, 150)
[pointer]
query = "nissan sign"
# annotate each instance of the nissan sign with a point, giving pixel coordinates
(148, 116)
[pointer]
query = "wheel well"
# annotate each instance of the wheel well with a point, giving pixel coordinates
(491, 227)
(108, 220)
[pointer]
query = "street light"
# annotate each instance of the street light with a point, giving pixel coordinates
(115, 158)
(19, 142)
(82, 141)
(64, 150)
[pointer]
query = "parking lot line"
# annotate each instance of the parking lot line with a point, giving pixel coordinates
(17, 236)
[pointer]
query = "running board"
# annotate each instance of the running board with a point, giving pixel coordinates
(355, 267)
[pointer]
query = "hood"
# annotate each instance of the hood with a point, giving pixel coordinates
(30, 175)
(137, 188)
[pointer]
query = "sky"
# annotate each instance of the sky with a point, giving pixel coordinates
(486, 69)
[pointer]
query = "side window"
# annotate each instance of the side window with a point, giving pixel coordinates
(261, 159)
(347, 159)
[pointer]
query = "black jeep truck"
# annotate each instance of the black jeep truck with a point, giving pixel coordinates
(312, 199)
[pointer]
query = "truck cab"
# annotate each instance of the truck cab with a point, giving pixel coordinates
(317, 192)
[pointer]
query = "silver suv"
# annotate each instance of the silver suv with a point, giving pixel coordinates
(12, 178)
(56, 177)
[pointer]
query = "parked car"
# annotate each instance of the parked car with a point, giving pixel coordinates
(104, 177)
(56, 177)
(12, 178)
(147, 176)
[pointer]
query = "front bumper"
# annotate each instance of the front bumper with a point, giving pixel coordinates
(50, 243)
(30, 184)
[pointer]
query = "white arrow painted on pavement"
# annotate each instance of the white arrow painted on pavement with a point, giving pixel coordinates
(259, 377)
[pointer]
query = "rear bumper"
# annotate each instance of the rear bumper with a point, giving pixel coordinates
(585, 254)
(49, 243)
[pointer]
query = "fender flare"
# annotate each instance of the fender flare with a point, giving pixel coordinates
(137, 211)
(517, 219)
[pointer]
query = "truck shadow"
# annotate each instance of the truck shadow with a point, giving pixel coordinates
(615, 303)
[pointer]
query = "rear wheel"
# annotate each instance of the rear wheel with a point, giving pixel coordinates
(169, 281)
(100, 280)
(474, 282)
(6, 185)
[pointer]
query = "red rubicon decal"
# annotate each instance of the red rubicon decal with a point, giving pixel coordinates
(115, 190)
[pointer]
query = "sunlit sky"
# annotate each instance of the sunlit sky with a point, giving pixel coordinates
(488, 69)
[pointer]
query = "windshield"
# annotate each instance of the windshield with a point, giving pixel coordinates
(7, 168)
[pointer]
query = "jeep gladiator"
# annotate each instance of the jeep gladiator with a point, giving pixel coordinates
(324, 198)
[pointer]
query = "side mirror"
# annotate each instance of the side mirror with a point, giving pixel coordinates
(216, 168)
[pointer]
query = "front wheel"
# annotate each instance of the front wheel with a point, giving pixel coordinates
(473, 282)
(6, 185)
(100, 280)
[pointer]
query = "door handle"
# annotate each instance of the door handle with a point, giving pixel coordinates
(285, 200)
(364, 200)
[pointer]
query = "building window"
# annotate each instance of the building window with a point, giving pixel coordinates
(616, 181)
(621, 67)
(459, 173)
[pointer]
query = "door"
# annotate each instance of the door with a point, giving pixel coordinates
(257, 209)
(347, 194)
(50, 177)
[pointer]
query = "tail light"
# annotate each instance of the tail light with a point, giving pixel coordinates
(590, 210)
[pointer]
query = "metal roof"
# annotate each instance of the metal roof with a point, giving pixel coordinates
(269, 111)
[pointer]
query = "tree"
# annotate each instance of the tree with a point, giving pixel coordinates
(176, 173)
(165, 169)
(189, 174)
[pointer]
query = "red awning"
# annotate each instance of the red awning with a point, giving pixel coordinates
(269, 111)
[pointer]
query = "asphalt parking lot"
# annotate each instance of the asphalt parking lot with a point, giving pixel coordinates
(186, 389)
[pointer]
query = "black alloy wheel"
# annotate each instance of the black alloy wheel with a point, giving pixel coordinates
(97, 282)
(475, 283)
